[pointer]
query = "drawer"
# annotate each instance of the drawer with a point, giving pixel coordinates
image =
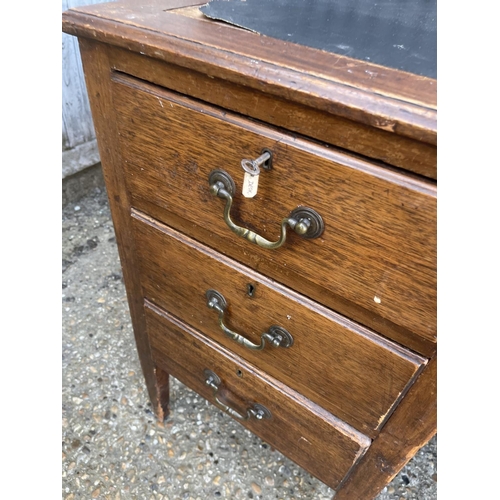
(376, 258)
(323, 445)
(348, 370)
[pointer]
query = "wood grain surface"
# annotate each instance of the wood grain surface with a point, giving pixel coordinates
(348, 370)
(380, 97)
(323, 445)
(403, 152)
(97, 76)
(378, 250)
(413, 424)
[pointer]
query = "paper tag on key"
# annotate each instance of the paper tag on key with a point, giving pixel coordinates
(250, 179)
(250, 185)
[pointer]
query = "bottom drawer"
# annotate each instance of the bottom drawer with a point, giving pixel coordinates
(314, 439)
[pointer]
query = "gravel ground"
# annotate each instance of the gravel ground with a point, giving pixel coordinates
(113, 447)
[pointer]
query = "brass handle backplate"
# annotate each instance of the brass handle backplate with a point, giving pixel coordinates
(276, 335)
(305, 221)
(257, 410)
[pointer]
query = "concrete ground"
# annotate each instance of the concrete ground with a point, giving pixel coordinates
(113, 448)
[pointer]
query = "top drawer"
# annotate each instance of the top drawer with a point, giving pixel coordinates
(376, 259)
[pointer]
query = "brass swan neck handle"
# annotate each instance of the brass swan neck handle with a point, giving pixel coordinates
(305, 221)
(257, 410)
(276, 335)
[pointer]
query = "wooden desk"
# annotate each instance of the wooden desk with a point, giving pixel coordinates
(308, 311)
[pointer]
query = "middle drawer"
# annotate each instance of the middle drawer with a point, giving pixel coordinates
(348, 370)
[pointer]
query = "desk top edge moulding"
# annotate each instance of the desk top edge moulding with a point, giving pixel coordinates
(265, 176)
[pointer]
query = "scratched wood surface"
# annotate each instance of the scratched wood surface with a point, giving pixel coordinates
(158, 16)
(348, 370)
(323, 445)
(378, 248)
(383, 145)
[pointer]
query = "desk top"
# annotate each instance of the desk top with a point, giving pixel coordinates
(393, 33)
(177, 32)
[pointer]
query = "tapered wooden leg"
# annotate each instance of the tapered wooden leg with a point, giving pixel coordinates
(163, 391)
(411, 426)
(98, 78)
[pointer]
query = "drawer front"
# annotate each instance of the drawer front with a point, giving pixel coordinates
(375, 260)
(346, 369)
(323, 445)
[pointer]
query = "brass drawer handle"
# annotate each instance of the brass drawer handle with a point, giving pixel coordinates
(305, 221)
(256, 410)
(276, 336)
